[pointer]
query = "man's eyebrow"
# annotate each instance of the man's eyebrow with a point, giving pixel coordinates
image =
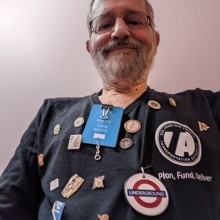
(126, 12)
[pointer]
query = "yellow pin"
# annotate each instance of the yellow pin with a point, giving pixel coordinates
(56, 129)
(172, 102)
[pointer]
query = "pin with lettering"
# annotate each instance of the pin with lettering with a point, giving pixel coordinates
(72, 186)
(146, 194)
(74, 142)
(98, 182)
(57, 210)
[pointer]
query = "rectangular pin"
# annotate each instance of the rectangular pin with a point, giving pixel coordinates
(74, 142)
(72, 186)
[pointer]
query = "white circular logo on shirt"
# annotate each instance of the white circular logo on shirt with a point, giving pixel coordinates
(178, 143)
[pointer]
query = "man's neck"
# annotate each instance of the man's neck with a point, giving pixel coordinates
(121, 97)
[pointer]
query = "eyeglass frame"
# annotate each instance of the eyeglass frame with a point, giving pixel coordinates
(114, 18)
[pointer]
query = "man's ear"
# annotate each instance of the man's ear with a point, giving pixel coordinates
(157, 36)
(88, 46)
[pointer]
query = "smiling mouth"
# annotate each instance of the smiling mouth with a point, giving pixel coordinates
(123, 49)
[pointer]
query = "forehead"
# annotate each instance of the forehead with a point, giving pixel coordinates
(117, 6)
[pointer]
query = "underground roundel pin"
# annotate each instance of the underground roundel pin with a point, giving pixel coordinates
(146, 194)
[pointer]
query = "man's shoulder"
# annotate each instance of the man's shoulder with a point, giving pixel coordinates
(66, 101)
(187, 94)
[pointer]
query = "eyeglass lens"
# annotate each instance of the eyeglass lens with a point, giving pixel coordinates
(134, 20)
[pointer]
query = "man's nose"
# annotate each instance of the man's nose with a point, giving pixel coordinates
(120, 29)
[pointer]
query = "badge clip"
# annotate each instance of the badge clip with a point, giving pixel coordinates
(105, 111)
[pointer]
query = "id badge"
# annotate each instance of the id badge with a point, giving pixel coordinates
(103, 125)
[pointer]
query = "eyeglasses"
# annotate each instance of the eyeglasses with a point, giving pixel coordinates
(134, 20)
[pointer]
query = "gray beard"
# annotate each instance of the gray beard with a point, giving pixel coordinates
(127, 69)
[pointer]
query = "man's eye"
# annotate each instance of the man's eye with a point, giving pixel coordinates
(106, 25)
(134, 23)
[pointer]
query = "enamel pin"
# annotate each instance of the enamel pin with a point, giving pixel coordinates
(103, 217)
(146, 194)
(56, 129)
(98, 182)
(154, 104)
(203, 126)
(57, 210)
(40, 159)
(72, 186)
(132, 126)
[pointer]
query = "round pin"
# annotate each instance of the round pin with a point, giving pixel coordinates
(56, 129)
(78, 122)
(132, 126)
(146, 194)
(153, 104)
(125, 143)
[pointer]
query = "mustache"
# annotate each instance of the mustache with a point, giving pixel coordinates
(120, 42)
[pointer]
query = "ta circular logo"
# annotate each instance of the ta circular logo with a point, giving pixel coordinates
(178, 143)
(147, 195)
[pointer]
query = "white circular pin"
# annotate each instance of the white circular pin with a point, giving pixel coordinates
(146, 194)
(154, 104)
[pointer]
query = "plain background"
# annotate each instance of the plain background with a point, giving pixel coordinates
(43, 54)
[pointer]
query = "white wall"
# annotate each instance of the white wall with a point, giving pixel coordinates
(42, 54)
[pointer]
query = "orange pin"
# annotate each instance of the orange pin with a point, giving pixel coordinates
(40, 159)
(103, 217)
(203, 126)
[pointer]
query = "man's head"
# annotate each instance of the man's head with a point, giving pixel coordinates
(95, 3)
(123, 40)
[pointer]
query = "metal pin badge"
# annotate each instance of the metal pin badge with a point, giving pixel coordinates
(74, 142)
(125, 143)
(56, 129)
(72, 186)
(103, 217)
(98, 182)
(78, 122)
(203, 126)
(57, 210)
(54, 184)
(40, 159)
(172, 102)
(154, 104)
(132, 126)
